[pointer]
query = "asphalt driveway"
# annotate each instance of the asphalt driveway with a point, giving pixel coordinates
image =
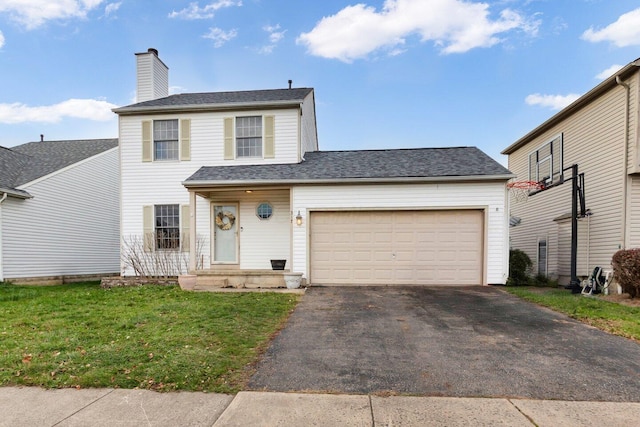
(477, 341)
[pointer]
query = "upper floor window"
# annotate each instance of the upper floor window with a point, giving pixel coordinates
(249, 136)
(166, 140)
(166, 145)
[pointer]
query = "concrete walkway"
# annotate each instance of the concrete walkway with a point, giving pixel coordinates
(29, 406)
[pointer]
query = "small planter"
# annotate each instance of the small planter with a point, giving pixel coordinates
(278, 264)
(293, 280)
(187, 282)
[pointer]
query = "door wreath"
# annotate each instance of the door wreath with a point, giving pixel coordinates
(225, 220)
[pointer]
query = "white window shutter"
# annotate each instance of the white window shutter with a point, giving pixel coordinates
(269, 137)
(185, 226)
(148, 229)
(185, 139)
(228, 138)
(147, 141)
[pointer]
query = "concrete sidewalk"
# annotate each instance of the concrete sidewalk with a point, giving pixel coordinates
(28, 406)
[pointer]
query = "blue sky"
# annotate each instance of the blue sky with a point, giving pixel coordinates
(387, 74)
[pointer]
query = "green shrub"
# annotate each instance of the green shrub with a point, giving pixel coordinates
(544, 281)
(519, 268)
(626, 270)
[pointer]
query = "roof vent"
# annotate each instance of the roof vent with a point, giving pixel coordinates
(41, 138)
(290, 83)
(152, 50)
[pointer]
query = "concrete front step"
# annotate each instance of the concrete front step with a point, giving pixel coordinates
(243, 279)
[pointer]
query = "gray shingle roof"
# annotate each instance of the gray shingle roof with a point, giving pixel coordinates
(25, 163)
(362, 165)
(214, 99)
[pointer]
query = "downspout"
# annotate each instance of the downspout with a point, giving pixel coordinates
(625, 176)
(2, 199)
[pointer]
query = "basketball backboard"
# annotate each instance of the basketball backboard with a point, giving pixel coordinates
(545, 163)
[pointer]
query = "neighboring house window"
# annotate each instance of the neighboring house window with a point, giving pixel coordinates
(166, 145)
(167, 226)
(542, 257)
(249, 136)
(545, 164)
(264, 210)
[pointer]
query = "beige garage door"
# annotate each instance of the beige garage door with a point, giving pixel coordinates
(397, 247)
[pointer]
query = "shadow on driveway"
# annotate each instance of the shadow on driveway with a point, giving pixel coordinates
(477, 341)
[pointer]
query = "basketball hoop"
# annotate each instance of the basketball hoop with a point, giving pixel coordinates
(520, 190)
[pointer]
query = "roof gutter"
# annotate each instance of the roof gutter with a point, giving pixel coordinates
(608, 84)
(206, 107)
(437, 179)
(625, 176)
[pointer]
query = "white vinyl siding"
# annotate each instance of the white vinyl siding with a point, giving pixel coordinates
(563, 241)
(634, 212)
(70, 226)
(489, 197)
(264, 240)
(593, 139)
(152, 183)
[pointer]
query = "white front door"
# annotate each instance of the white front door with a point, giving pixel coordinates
(225, 233)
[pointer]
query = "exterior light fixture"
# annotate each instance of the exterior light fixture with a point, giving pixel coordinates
(248, 191)
(299, 219)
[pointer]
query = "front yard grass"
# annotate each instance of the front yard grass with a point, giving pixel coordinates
(150, 337)
(612, 317)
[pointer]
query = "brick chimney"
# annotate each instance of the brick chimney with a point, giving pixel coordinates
(152, 76)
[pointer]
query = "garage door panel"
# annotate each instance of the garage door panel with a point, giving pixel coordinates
(430, 247)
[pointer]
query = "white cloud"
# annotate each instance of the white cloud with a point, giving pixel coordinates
(33, 13)
(219, 36)
(608, 72)
(555, 102)
(275, 36)
(176, 89)
(624, 32)
(88, 109)
(112, 8)
(1, 39)
(456, 26)
(193, 11)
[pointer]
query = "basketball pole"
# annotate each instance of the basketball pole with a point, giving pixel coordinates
(574, 283)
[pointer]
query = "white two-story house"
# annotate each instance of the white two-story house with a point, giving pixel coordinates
(235, 180)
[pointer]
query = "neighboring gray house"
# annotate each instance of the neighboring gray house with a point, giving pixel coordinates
(59, 210)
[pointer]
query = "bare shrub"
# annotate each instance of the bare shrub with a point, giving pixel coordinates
(147, 262)
(626, 270)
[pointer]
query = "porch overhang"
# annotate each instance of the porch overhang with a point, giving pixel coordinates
(198, 184)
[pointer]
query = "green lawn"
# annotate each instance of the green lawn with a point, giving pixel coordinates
(149, 337)
(612, 317)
